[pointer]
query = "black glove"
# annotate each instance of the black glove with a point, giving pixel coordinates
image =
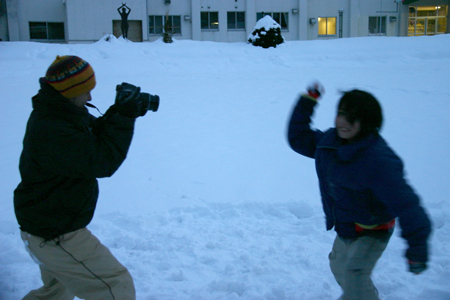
(417, 267)
(128, 100)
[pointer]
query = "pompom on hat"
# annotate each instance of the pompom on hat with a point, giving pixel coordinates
(71, 76)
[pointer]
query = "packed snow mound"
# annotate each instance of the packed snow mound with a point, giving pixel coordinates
(111, 38)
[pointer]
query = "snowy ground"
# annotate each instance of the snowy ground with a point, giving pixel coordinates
(211, 203)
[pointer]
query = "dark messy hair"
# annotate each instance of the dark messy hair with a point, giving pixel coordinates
(362, 106)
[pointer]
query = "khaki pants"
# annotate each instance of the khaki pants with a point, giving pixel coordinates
(78, 265)
(352, 262)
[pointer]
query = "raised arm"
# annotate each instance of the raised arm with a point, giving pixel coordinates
(301, 137)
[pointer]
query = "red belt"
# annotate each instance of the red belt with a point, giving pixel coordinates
(385, 226)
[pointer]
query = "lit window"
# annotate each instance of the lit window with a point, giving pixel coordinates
(327, 26)
(427, 20)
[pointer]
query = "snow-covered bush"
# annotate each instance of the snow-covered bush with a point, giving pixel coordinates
(267, 33)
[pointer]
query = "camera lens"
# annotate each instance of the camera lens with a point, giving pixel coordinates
(149, 102)
(154, 103)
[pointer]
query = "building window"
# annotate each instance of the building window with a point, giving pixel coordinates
(209, 20)
(236, 20)
(377, 25)
(327, 26)
(176, 24)
(47, 31)
(282, 18)
(156, 24)
(175, 21)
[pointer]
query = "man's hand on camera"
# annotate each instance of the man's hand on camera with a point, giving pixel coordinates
(128, 100)
(130, 109)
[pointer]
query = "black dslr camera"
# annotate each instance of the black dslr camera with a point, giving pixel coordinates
(127, 92)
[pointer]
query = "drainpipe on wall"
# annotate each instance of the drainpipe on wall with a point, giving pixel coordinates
(341, 22)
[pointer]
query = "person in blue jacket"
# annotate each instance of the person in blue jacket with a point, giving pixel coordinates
(363, 189)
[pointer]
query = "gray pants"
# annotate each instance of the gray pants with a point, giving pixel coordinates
(78, 266)
(352, 262)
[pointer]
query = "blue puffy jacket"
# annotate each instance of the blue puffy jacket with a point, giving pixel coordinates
(361, 182)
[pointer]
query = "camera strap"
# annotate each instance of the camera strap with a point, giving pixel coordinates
(93, 106)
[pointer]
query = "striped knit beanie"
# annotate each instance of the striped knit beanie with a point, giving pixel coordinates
(71, 76)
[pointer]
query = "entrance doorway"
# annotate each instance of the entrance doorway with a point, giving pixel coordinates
(134, 30)
(427, 20)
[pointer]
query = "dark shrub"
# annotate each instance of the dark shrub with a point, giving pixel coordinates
(267, 33)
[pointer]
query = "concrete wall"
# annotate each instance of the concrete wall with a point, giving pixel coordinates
(90, 20)
(180, 8)
(21, 12)
(379, 8)
(292, 33)
(192, 29)
(321, 9)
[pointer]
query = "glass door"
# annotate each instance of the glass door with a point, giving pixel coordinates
(431, 26)
(427, 20)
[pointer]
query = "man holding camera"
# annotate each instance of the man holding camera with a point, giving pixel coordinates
(64, 150)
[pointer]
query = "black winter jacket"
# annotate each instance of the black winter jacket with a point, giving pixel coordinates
(361, 182)
(64, 150)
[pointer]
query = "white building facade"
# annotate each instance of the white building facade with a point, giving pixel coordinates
(85, 21)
